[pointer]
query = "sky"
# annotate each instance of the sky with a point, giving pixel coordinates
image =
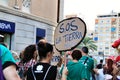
(89, 9)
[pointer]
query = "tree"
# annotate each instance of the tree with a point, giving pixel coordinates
(88, 42)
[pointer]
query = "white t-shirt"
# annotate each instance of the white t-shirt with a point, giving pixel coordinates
(100, 75)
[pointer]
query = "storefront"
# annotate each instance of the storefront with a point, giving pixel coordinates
(21, 29)
(7, 29)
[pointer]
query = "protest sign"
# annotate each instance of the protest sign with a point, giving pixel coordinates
(69, 33)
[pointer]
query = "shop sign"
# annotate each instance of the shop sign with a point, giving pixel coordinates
(6, 26)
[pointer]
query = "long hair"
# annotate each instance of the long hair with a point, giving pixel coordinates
(28, 53)
(109, 68)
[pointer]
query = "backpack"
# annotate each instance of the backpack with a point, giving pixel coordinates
(92, 72)
(1, 72)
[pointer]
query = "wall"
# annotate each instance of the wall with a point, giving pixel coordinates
(42, 8)
(45, 8)
(25, 28)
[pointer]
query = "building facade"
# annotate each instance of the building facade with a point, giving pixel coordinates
(107, 30)
(24, 22)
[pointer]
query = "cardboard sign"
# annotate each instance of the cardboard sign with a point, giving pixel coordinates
(69, 33)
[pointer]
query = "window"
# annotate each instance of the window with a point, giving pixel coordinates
(113, 29)
(102, 21)
(106, 52)
(107, 29)
(106, 47)
(108, 21)
(113, 20)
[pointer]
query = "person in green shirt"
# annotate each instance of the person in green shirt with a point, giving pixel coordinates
(76, 70)
(87, 61)
(8, 63)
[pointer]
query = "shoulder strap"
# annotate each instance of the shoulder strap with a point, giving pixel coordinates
(45, 73)
(33, 73)
(85, 60)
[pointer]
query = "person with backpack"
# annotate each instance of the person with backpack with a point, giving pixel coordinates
(76, 70)
(8, 64)
(88, 62)
(43, 70)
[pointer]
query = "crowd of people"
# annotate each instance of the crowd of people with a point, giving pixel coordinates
(34, 64)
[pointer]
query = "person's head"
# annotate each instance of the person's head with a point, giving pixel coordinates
(45, 51)
(84, 50)
(76, 54)
(109, 62)
(101, 61)
(109, 65)
(29, 53)
(43, 40)
(106, 59)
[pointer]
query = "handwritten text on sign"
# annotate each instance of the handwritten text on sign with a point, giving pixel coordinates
(69, 33)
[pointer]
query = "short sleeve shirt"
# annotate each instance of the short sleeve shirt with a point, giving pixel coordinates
(76, 71)
(6, 57)
(100, 75)
(89, 65)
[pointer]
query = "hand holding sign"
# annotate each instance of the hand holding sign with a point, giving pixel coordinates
(69, 33)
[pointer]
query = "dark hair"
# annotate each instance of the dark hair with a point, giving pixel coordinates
(85, 50)
(109, 68)
(76, 54)
(101, 61)
(21, 55)
(28, 53)
(44, 48)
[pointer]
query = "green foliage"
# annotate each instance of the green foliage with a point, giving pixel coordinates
(88, 42)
